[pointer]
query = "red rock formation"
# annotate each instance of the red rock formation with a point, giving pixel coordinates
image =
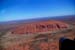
(42, 26)
(46, 41)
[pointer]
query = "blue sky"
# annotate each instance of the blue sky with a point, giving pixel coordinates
(28, 9)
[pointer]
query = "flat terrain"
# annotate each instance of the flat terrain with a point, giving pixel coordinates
(10, 24)
(47, 41)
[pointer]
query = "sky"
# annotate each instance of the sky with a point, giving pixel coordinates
(29, 9)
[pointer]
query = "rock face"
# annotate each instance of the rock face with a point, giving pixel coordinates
(43, 35)
(42, 26)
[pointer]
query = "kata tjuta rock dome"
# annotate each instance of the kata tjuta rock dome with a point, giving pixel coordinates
(41, 26)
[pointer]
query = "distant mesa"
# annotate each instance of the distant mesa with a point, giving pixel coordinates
(41, 26)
